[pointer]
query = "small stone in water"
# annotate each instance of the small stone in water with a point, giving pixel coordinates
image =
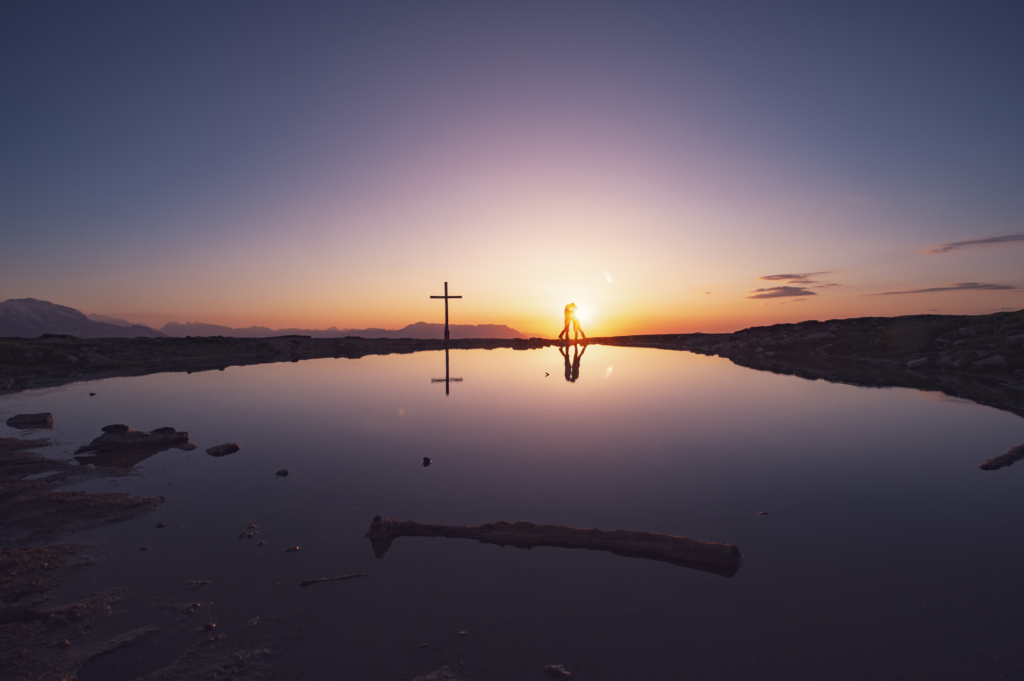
(291, 549)
(283, 473)
(161, 525)
(223, 450)
(426, 461)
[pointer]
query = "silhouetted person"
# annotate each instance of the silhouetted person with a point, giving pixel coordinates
(576, 326)
(569, 310)
(568, 367)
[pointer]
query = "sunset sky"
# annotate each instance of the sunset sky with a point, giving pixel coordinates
(668, 166)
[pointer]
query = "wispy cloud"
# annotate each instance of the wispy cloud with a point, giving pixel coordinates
(801, 279)
(946, 248)
(828, 285)
(608, 278)
(968, 286)
(781, 292)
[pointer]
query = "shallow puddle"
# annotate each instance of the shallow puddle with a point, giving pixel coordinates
(885, 552)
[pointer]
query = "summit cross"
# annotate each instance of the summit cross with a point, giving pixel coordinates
(446, 298)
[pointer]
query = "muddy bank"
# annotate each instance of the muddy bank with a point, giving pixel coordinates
(44, 639)
(40, 639)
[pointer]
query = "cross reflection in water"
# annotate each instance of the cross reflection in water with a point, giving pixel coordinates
(447, 380)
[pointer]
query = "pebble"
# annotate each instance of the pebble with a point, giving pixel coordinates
(291, 549)
(283, 473)
(427, 461)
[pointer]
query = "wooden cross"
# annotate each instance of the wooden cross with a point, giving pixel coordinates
(446, 380)
(446, 297)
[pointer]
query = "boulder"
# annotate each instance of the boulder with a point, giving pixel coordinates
(119, 437)
(995, 362)
(919, 362)
(1016, 340)
(44, 420)
(968, 332)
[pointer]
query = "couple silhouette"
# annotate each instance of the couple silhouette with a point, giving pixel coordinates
(571, 318)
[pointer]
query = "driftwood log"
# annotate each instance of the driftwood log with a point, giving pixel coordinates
(720, 559)
(1008, 459)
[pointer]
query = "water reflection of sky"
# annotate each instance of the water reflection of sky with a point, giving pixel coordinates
(887, 552)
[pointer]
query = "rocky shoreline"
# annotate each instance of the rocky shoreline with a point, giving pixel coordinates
(980, 358)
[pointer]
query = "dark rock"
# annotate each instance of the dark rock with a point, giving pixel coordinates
(427, 461)
(764, 513)
(209, 626)
(92, 394)
(44, 420)
(99, 360)
(291, 549)
(121, 437)
(223, 450)
(995, 361)
(283, 473)
(160, 526)
(122, 447)
(263, 543)
(968, 332)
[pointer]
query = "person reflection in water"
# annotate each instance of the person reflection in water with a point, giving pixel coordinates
(572, 371)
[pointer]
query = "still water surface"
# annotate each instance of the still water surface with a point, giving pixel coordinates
(886, 553)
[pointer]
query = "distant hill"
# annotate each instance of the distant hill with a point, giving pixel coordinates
(421, 330)
(116, 321)
(31, 318)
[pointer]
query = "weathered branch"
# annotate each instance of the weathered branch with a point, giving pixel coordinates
(721, 559)
(1008, 459)
(332, 579)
